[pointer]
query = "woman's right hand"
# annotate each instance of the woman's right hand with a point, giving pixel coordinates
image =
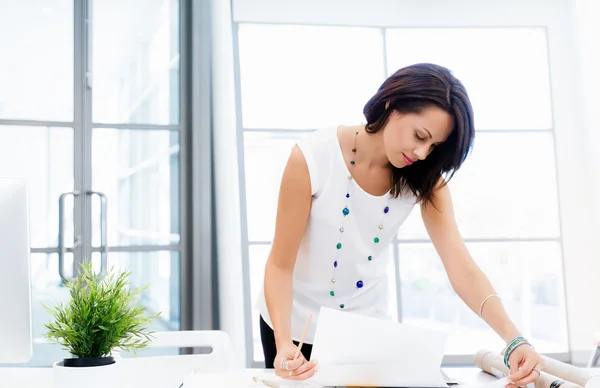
(298, 369)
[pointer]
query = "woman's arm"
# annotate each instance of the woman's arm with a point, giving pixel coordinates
(466, 278)
(292, 215)
(473, 287)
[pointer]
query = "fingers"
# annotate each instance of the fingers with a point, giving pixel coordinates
(525, 374)
(305, 371)
(304, 367)
(295, 364)
(514, 367)
(298, 369)
(530, 378)
(522, 371)
(285, 369)
(280, 368)
(281, 372)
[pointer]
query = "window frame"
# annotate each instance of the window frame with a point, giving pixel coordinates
(530, 13)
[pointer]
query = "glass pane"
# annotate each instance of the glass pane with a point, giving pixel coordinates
(265, 156)
(258, 258)
(506, 189)
(46, 289)
(528, 276)
(36, 70)
(505, 70)
(158, 270)
(136, 61)
(138, 171)
(299, 77)
(43, 156)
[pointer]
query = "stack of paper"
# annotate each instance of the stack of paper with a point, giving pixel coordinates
(356, 350)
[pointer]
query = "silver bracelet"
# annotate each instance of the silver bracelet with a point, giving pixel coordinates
(485, 300)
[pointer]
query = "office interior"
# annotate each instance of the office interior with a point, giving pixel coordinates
(179, 115)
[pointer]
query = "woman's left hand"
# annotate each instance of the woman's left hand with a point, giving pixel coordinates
(525, 366)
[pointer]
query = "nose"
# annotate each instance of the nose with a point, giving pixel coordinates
(421, 152)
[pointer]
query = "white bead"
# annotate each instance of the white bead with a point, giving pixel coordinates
(341, 230)
(380, 227)
(332, 280)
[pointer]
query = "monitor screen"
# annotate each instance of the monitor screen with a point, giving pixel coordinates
(15, 284)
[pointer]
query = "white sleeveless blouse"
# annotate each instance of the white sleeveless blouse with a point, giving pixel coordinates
(356, 257)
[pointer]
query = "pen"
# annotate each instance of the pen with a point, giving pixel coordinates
(303, 336)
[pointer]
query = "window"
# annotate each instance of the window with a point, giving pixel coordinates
(297, 78)
(505, 196)
(301, 77)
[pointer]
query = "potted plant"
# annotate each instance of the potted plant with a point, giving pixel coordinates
(101, 316)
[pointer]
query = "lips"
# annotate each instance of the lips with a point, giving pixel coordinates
(407, 160)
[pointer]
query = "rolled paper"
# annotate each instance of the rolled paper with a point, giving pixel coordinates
(567, 372)
(580, 376)
(493, 363)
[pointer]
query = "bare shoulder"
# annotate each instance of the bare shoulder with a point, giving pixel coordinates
(441, 209)
(296, 174)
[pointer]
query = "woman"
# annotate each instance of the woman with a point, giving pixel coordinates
(344, 193)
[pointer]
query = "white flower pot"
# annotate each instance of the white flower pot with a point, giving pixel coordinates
(103, 376)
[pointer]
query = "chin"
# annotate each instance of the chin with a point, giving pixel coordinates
(398, 163)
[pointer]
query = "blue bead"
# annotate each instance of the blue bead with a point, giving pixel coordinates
(359, 284)
(335, 264)
(386, 209)
(347, 195)
(346, 211)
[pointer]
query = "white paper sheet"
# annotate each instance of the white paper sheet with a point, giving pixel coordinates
(500, 383)
(251, 379)
(356, 350)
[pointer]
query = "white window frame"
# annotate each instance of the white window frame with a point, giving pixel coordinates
(553, 15)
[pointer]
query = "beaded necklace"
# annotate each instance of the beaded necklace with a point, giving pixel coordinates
(345, 211)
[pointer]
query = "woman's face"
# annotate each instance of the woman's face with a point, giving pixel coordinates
(410, 137)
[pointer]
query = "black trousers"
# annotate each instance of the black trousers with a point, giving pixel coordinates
(267, 337)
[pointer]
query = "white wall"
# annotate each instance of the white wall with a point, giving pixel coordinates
(584, 311)
(587, 28)
(576, 127)
(229, 246)
(398, 13)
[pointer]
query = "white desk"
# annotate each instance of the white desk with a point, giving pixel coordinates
(44, 377)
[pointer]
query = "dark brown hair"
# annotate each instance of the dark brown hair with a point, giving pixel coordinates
(411, 90)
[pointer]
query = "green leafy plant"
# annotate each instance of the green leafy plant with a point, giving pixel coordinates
(102, 315)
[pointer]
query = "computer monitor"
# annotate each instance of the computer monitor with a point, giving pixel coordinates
(16, 343)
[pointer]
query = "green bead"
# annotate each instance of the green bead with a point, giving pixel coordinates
(370, 258)
(356, 133)
(331, 293)
(352, 162)
(339, 245)
(342, 306)
(376, 239)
